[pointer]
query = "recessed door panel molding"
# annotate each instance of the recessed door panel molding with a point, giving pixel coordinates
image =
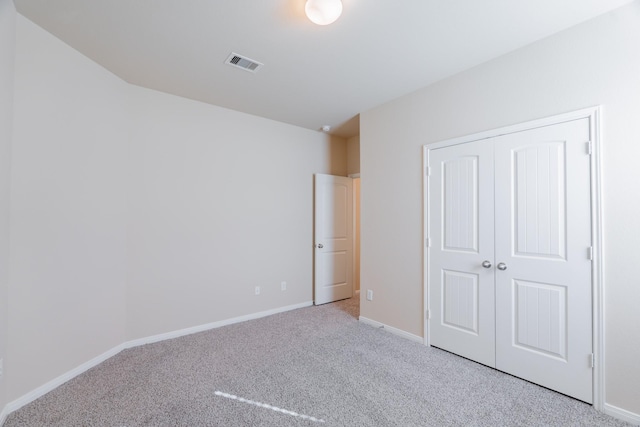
(460, 303)
(539, 187)
(335, 198)
(527, 270)
(460, 204)
(336, 263)
(540, 318)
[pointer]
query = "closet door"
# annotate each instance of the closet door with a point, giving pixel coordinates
(461, 215)
(509, 265)
(543, 275)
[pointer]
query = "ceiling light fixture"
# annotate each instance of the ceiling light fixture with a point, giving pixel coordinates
(323, 12)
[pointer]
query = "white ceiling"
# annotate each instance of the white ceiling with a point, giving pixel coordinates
(312, 75)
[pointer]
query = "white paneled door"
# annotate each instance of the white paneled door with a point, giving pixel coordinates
(333, 225)
(461, 219)
(509, 264)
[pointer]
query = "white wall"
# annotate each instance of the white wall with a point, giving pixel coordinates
(68, 224)
(595, 63)
(7, 55)
(220, 202)
(135, 213)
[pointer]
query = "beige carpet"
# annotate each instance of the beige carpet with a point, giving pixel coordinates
(316, 366)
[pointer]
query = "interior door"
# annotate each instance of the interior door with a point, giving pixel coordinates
(461, 230)
(543, 276)
(509, 267)
(333, 279)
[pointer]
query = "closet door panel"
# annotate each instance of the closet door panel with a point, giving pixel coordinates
(543, 296)
(461, 228)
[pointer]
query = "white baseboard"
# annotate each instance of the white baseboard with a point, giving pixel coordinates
(393, 330)
(3, 415)
(622, 414)
(213, 325)
(56, 382)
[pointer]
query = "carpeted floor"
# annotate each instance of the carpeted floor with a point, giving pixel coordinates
(309, 367)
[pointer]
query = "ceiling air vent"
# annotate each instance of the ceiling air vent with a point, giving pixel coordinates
(243, 62)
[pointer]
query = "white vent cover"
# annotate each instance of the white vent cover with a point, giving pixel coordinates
(243, 62)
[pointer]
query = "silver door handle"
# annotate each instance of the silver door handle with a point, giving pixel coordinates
(486, 264)
(320, 246)
(501, 266)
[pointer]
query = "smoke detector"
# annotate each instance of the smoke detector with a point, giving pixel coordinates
(243, 62)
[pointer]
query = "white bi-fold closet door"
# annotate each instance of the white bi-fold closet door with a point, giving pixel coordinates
(509, 269)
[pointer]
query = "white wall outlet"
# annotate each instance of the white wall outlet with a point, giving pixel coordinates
(257, 290)
(369, 295)
(283, 286)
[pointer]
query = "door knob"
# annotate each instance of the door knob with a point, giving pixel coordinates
(486, 264)
(501, 266)
(320, 246)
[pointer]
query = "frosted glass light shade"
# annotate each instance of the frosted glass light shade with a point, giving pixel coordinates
(323, 12)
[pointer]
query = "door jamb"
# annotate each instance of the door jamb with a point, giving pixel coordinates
(594, 115)
(354, 176)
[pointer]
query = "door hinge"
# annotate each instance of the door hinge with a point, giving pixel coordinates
(589, 148)
(590, 253)
(428, 171)
(427, 242)
(427, 314)
(592, 360)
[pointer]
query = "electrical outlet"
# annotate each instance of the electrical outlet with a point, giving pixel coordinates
(257, 290)
(369, 295)
(283, 286)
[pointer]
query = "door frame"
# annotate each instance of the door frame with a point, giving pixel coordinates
(594, 115)
(356, 241)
